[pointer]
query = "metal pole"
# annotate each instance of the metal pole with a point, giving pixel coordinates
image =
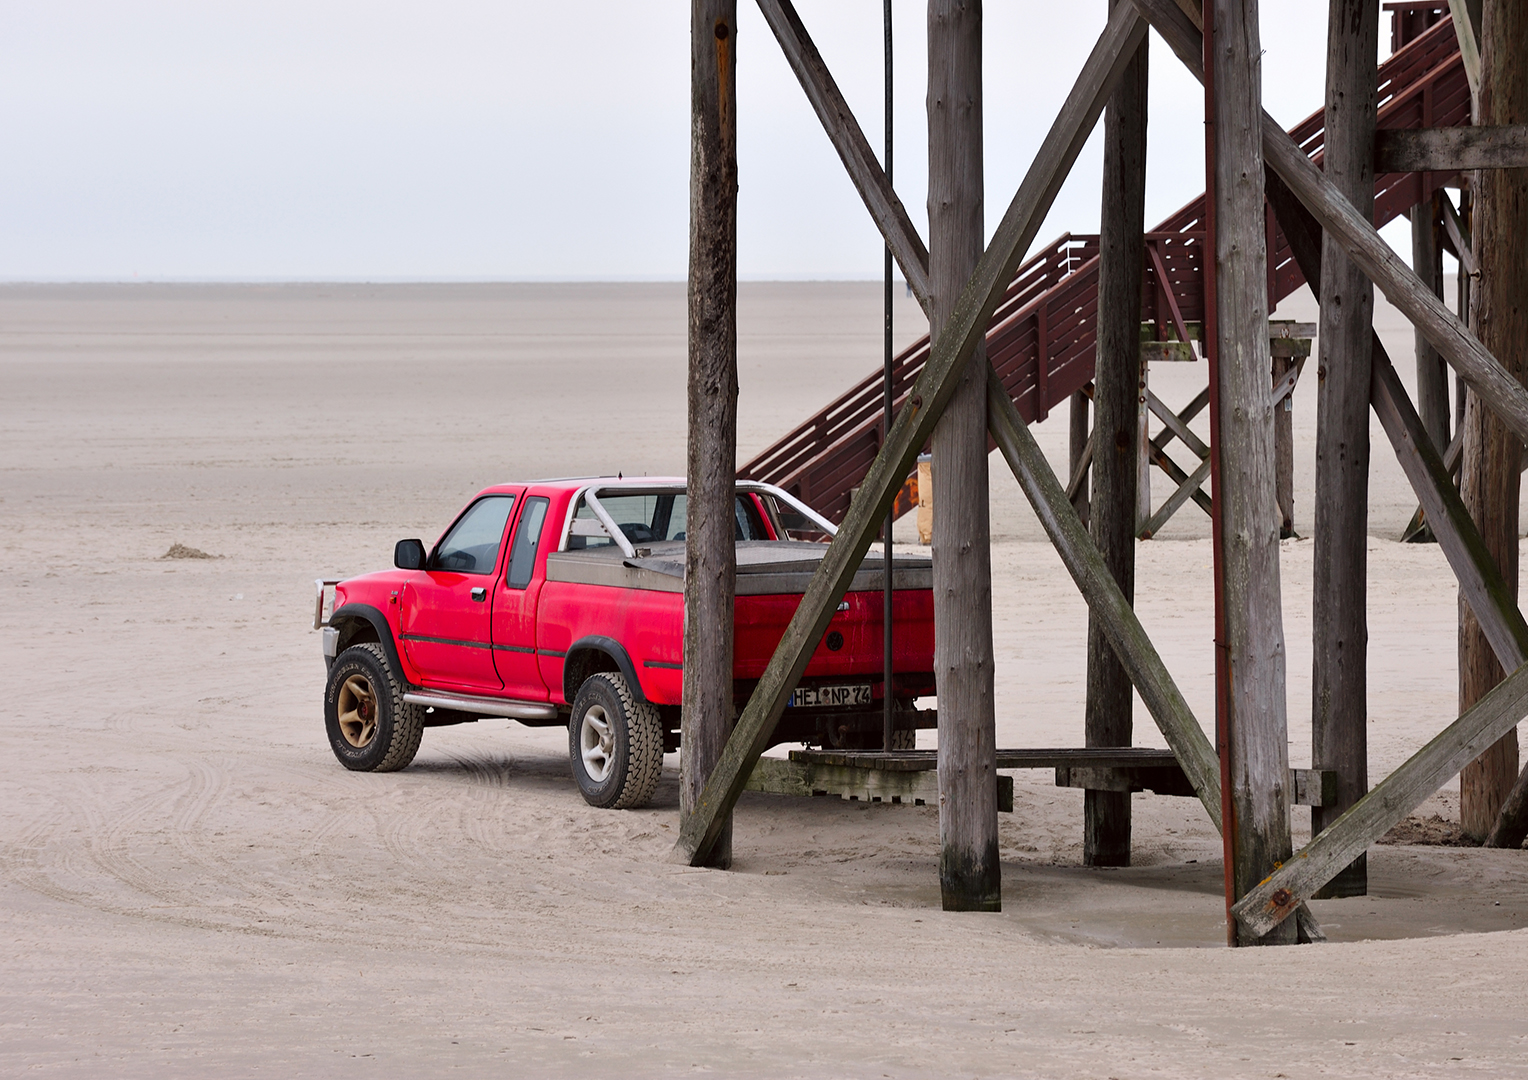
(888, 703)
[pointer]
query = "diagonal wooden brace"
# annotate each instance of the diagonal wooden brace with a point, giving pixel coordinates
(1480, 579)
(953, 348)
(1391, 800)
(1177, 425)
(1189, 488)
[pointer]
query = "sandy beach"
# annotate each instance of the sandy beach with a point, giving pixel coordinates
(191, 885)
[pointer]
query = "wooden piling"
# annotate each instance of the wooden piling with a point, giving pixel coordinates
(1078, 457)
(711, 449)
(1490, 479)
(1253, 730)
(1284, 448)
(1339, 684)
(970, 877)
(1432, 372)
(1117, 399)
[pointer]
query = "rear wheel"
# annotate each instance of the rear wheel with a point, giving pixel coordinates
(615, 743)
(371, 728)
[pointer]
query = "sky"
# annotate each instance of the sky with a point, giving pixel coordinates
(504, 140)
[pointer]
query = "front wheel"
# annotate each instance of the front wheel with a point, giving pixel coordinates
(371, 728)
(615, 743)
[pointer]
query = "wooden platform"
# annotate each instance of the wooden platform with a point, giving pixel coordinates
(909, 777)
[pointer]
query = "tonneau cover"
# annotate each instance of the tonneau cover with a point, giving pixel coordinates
(764, 567)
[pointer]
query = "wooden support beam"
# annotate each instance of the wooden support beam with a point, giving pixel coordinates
(711, 449)
(915, 422)
(1388, 802)
(1254, 727)
(1287, 382)
(1481, 583)
(1458, 236)
(1076, 485)
(1187, 489)
(1079, 455)
(1503, 394)
(1511, 826)
(970, 873)
(1432, 372)
(1165, 284)
(1284, 448)
(1466, 15)
(1119, 458)
(1451, 149)
(1176, 474)
(1489, 479)
(1340, 524)
(1177, 425)
(849, 140)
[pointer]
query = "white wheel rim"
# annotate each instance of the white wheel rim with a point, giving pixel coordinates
(596, 743)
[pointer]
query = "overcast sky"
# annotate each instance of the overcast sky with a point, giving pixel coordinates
(494, 140)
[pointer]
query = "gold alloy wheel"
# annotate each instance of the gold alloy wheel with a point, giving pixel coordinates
(357, 708)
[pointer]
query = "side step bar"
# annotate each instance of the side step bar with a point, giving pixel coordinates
(482, 706)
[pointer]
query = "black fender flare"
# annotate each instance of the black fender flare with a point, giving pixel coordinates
(368, 613)
(611, 648)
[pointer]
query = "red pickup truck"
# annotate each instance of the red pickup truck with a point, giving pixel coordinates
(561, 603)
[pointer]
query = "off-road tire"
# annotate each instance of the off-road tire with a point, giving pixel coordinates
(631, 756)
(397, 726)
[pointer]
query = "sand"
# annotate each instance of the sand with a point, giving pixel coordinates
(190, 884)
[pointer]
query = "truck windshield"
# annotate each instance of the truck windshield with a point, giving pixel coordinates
(649, 518)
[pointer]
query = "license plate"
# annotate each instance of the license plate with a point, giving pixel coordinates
(807, 697)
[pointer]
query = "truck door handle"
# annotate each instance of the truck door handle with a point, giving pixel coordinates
(480, 594)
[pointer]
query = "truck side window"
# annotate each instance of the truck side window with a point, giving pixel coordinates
(750, 524)
(522, 555)
(472, 545)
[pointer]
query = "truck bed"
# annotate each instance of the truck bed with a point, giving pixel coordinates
(764, 568)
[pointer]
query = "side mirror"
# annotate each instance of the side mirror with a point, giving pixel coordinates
(409, 555)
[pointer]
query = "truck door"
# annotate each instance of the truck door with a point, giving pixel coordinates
(514, 608)
(445, 616)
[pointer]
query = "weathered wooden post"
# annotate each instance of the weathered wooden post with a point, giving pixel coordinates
(1339, 684)
(1252, 721)
(1284, 448)
(1117, 373)
(1464, 300)
(1432, 371)
(1077, 449)
(970, 877)
(711, 450)
(1426, 259)
(1490, 479)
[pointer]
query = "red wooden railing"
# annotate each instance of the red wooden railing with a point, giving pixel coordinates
(1049, 310)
